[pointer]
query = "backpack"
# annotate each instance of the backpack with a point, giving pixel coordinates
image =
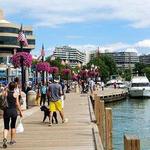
(3, 102)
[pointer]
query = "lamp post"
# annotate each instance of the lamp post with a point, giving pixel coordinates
(43, 54)
(22, 68)
(52, 59)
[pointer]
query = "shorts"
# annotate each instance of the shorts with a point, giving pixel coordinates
(54, 106)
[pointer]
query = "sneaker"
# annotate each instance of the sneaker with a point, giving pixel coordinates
(4, 143)
(12, 142)
(50, 124)
(65, 120)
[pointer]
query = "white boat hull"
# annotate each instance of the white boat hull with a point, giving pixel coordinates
(139, 92)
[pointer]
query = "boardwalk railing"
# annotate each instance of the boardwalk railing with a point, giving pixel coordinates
(103, 119)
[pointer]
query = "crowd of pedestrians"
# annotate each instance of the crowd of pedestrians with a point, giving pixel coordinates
(51, 95)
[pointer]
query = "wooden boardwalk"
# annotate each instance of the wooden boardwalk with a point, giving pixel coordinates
(77, 134)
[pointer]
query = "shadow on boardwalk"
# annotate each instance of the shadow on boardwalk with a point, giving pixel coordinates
(75, 135)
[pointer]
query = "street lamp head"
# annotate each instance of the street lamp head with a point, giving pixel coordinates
(92, 65)
(53, 57)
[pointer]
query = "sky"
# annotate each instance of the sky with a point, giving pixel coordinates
(115, 25)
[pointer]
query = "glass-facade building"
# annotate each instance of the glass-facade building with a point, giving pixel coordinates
(8, 43)
(145, 59)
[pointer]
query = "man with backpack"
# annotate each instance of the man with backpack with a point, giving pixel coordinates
(43, 90)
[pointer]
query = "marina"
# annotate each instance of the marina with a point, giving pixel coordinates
(131, 116)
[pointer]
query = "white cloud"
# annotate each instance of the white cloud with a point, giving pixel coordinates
(144, 43)
(53, 13)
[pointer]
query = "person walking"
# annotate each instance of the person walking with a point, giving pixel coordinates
(92, 85)
(10, 113)
(55, 93)
(43, 90)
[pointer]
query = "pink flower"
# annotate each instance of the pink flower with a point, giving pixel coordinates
(53, 70)
(75, 77)
(66, 71)
(16, 59)
(42, 66)
(83, 74)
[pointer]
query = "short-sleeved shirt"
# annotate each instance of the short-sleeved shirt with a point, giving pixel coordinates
(55, 90)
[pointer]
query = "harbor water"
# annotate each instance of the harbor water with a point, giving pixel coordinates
(131, 116)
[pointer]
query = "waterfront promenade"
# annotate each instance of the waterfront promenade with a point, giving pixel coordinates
(77, 134)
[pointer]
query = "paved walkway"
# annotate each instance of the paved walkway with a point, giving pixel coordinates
(75, 135)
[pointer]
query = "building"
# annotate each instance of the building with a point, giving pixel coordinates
(70, 55)
(9, 44)
(145, 59)
(124, 60)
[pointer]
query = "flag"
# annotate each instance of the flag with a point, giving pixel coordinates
(25, 43)
(42, 51)
(22, 38)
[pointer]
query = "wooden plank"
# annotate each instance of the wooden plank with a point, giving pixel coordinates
(108, 128)
(77, 134)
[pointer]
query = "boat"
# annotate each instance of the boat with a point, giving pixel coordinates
(114, 82)
(139, 87)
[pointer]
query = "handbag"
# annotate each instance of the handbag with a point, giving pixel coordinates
(3, 102)
(20, 127)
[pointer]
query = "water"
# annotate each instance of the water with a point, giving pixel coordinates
(131, 116)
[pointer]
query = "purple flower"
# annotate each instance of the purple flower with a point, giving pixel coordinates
(16, 59)
(42, 66)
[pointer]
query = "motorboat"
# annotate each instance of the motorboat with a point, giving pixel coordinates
(139, 87)
(116, 83)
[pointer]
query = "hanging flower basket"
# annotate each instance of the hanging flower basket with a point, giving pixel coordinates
(16, 59)
(66, 71)
(53, 70)
(83, 74)
(42, 66)
(74, 77)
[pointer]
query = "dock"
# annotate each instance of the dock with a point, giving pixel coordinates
(111, 94)
(80, 133)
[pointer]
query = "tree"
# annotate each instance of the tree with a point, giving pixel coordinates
(105, 64)
(139, 67)
(147, 71)
(55, 63)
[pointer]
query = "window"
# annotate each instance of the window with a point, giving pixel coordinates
(9, 30)
(8, 40)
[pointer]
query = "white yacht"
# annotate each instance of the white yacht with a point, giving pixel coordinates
(119, 83)
(139, 87)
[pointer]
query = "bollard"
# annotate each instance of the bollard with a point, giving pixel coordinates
(108, 128)
(131, 142)
(101, 120)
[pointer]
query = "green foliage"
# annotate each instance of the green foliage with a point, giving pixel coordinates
(106, 66)
(127, 74)
(55, 63)
(147, 72)
(139, 67)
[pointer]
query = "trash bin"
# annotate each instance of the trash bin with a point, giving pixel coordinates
(31, 97)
